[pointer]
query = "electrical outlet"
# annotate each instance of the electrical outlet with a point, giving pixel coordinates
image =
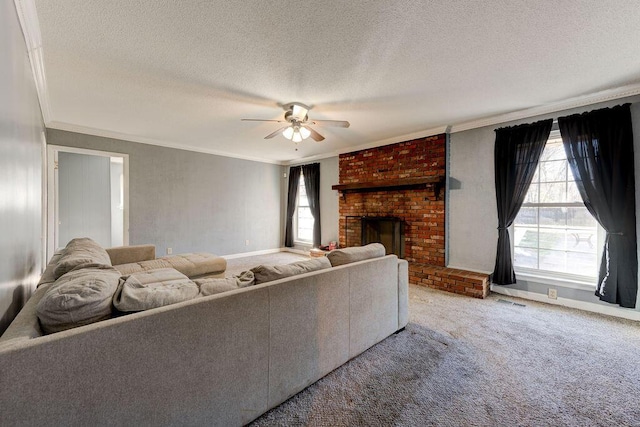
(553, 293)
(246, 243)
(169, 251)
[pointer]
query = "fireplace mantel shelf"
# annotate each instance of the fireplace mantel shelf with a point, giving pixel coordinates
(435, 182)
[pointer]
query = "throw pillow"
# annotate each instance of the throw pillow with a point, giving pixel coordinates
(216, 285)
(78, 252)
(78, 298)
(359, 253)
(266, 273)
(213, 286)
(151, 289)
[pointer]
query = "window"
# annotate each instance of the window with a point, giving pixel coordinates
(554, 233)
(303, 218)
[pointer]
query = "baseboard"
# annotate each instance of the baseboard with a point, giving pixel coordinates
(295, 251)
(264, 252)
(625, 313)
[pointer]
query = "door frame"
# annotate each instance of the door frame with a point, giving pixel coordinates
(52, 191)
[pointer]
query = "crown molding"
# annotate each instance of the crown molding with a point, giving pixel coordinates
(150, 141)
(393, 140)
(576, 102)
(28, 18)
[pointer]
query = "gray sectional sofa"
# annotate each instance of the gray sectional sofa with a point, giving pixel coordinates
(223, 359)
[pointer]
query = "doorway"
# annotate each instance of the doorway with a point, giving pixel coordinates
(87, 197)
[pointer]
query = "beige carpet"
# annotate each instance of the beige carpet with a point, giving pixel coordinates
(469, 362)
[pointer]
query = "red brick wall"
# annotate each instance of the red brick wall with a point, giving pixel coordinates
(423, 215)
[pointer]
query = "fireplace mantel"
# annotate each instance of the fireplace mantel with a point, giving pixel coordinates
(434, 183)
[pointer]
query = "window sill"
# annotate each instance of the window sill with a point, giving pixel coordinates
(556, 281)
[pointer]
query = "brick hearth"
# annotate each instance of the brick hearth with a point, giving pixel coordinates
(421, 207)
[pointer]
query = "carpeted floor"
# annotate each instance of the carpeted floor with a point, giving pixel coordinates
(469, 362)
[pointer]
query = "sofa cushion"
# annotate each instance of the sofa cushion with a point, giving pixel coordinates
(211, 286)
(131, 253)
(151, 289)
(192, 265)
(267, 273)
(359, 253)
(77, 298)
(78, 252)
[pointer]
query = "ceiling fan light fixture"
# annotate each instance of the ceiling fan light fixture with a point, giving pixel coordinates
(296, 136)
(288, 132)
(304, 132)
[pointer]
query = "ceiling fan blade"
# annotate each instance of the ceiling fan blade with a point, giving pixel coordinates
(338, 123)
(315, 135)
(263, 120)
(272, 134)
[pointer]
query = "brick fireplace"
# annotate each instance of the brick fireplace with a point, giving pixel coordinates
(404, 181)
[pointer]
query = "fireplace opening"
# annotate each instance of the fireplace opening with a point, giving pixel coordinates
(386, 230)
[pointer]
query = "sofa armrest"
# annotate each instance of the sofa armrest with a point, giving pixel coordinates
(403, 293)
(128, 254)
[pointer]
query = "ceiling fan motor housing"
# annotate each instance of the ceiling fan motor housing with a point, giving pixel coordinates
(296, 112)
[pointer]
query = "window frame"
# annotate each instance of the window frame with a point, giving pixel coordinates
(571, 280)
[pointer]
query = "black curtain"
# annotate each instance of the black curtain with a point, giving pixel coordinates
(311, 175)
(292, 195)
(599, 147)
(517, 151)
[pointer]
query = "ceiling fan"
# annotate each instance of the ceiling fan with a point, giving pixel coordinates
(298, 122)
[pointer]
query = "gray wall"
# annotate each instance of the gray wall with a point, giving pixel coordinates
(192, 201)
(473, 217)
(329, 214)
(84, 198)
(21, 136)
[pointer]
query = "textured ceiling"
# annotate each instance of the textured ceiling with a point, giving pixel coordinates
(183, 73)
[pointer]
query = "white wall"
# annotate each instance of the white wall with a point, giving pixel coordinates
(21, 139)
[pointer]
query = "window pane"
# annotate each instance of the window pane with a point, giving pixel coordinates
(532, 194)
(536, 175)
(582, 240)
(553, 216)
(553, 193)
(582, 264)
(526, 216)
(525, 237)
(305, 224)
(580, 217)
(573, 195)
(553, 171)
(551, 238)
(552, 260)
(554, 150)
(524, 257)
(304, 219)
